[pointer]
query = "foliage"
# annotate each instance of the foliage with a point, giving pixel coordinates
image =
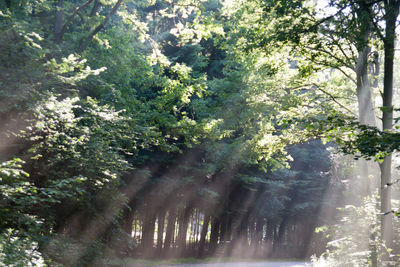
(356, 248)
(19, 250)
(168, 110)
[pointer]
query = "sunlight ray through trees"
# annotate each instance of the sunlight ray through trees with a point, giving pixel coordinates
(151, 130)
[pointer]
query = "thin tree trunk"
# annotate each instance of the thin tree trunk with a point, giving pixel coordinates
(183, 226)
(203, 235)
(366, 113)
(134, 228)
(128, 221)
(258, 236)
(196, 227)
(222, 228)
(169, 235)
(269, 232)
(215, 223)
(241, 235)
(228, 234)
(148, 232)
(280, 236)
(392, 12)
(58, 21)
(160, 230)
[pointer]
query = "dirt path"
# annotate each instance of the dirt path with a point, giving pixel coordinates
(239, 264)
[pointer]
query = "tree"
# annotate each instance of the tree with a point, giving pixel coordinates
(391, 13)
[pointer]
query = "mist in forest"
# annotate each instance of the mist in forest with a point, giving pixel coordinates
(183, 130)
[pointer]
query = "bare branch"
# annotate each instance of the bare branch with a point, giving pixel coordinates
(332, 97)
(347, 75)
(331, 55)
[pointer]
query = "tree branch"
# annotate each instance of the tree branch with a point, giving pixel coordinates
(331, 55)
(332, 97)
(378, 31)
(95, 8)
(338, 44)
(86, 42)
(70, 19)
(153, 43)
(337, 68)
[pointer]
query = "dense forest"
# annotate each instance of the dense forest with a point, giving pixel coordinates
(199, 128)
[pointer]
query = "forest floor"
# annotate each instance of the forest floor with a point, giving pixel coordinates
(212, 263)
(241, 264)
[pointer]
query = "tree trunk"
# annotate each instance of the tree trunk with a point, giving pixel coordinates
(222, 235)
(58, 21)
(240, 236)
(183, 226)
(392, 12)
(366, 113)
(197, 227)
(258, 236)
(280, 236)
(169, 235)
(95, 9)
(128, 217)
(160, 230)
(148, 232)
(215, 223)
(252, 231)
(228, 234)
(268, 239)
(127, 226)
(203, 235)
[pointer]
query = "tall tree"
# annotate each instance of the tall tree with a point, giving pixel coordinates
(391, 8)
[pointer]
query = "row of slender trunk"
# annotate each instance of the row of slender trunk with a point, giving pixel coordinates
(193, 232)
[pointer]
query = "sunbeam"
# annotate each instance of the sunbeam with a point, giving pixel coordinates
(214, 132)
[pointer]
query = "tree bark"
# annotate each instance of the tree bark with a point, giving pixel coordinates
(269, 235)
(197, 227)
(392, 12)
(58, 21)
(366, 113)
(280, 236)
(169, 235)
(215, 223)
(258, 236)
(160, 230)
(128, 221)
(203, 235)
(183, 226)
(148, 232)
